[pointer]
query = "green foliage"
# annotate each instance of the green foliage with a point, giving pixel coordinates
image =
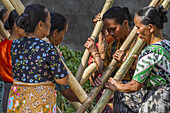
(72, 60)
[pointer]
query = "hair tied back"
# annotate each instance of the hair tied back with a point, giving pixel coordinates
(6, 25)
(23, 21)
(162, 13)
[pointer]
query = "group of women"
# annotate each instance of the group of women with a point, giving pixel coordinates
(147, 90)
(31, 61)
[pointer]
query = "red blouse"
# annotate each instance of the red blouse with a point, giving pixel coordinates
(5, 61)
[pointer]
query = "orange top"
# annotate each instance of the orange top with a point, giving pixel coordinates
(5, 61)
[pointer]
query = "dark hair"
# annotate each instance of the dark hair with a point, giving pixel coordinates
(11, 20)
(31, 16)
(118, 14)
(153, 15)
(2, 13)
(58, 22)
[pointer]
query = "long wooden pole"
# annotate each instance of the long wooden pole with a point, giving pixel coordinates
(75, 86)
(122, 70)
(4, 33)
(19, 7)
(109, 70)
(95, 33)
(8, 5)
(118, 76)
(87, 72)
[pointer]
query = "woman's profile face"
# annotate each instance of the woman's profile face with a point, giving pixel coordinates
(115, 29)
(47, 25)
(59, 36)
(142, 30)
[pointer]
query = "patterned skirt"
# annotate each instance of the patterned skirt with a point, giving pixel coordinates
(157, 100)
(146, 100)
(32, 98)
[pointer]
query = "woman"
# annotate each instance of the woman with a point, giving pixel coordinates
(4, 13)
(5, 62)
(36, 65)
(117, 22)
(152, 71)
(58, 29)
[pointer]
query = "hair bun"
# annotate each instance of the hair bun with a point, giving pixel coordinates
(23, 21)
(6, 25)
(162, 13)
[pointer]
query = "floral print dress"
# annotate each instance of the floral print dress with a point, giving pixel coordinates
(35, 64)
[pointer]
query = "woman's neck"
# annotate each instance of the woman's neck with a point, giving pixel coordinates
(126, 35)
(34, 35)
(157, 36)
(13, 36)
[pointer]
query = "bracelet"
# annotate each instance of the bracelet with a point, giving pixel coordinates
(94, 53)
(97, 55)
(103, 59)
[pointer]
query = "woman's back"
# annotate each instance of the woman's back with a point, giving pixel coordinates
(34, 61)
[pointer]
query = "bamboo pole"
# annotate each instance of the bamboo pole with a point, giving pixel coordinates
(118, 76)
(166, 4)
(95, 33)
(122, 70)
(19, 7)
(58, 110)
(76, 87)
(4, 33)
(109, 70)
(8, 5)
(87, 72)
(75, 105)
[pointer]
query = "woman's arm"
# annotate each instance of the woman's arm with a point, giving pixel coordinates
(90, 45)
(62, 81)
(130, 87)
(69, 95)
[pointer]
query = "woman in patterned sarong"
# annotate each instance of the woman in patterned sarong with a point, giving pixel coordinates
(152, 70)
(36, 65)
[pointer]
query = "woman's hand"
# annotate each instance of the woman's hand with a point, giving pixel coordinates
(90, 45)
(112, 84)
(97, 18)
(97, 81)
(133, 67)
(119, 55)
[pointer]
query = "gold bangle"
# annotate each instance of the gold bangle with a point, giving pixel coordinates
(97, 55)
(94, 53)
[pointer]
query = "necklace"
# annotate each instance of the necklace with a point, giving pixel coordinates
(118, 44)
(155, 40)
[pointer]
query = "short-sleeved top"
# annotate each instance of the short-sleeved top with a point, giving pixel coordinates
(153, 67)
(35, 60)
(58, 86)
